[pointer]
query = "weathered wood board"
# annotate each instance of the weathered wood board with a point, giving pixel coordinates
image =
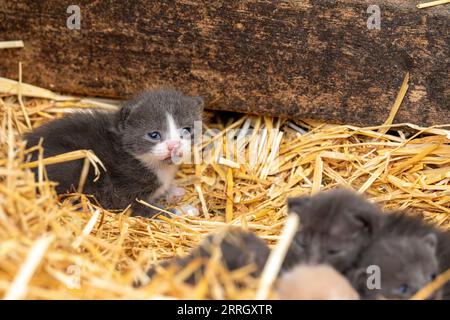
(302, 59)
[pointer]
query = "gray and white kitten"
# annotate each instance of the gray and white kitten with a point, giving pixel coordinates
(406, 264)
(335, 228)
(137, 145)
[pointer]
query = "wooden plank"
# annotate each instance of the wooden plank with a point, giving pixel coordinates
(315, 59)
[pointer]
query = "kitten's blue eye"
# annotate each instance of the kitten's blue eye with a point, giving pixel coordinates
(186, 132)
(155, 135)
(402, 289)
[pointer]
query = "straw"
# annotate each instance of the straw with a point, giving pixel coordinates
(276, 257)
(245, 184)
(11, 44)
(396, 106)
(429, 289)
(19, 285)
(432, 3)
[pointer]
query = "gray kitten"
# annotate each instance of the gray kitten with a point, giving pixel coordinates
(335, 227)
(406, 265)
(137, 144)
(402, 224)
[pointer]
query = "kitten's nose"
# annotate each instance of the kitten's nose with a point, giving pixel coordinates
(172, 144)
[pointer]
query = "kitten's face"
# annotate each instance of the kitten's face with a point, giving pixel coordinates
(335, 227)
(157, 127)
(406, 265)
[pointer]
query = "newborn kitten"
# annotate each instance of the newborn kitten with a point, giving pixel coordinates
(314, 282)
(406, 265)
(138, 145)
(335, 227)
(401, 224)
(238, 249)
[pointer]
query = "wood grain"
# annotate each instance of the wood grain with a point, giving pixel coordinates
(302, 59)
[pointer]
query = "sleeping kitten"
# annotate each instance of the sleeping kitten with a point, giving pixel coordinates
(335, 227)
(406, 264)
(138, 145)
(238, 249)
(401, 224)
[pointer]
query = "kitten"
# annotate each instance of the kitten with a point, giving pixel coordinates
(238, 249)
(335, 227)
(406, 264)
(139, 145)
(402, 224)
(314, 282)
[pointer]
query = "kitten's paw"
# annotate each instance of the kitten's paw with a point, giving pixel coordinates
(175, 194)
(186, 209)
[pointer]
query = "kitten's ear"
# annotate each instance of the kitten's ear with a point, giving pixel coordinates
(369, 217)
(123, 115)
(298, 205)
(125, 112)
(369, 222)
(431, 241)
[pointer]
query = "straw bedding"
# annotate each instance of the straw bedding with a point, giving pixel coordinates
(55, 248)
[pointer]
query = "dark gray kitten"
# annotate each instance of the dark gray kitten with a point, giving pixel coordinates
(406, 264)
(238, 249)
(137, 144)
(335, 227)
(401, 224)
